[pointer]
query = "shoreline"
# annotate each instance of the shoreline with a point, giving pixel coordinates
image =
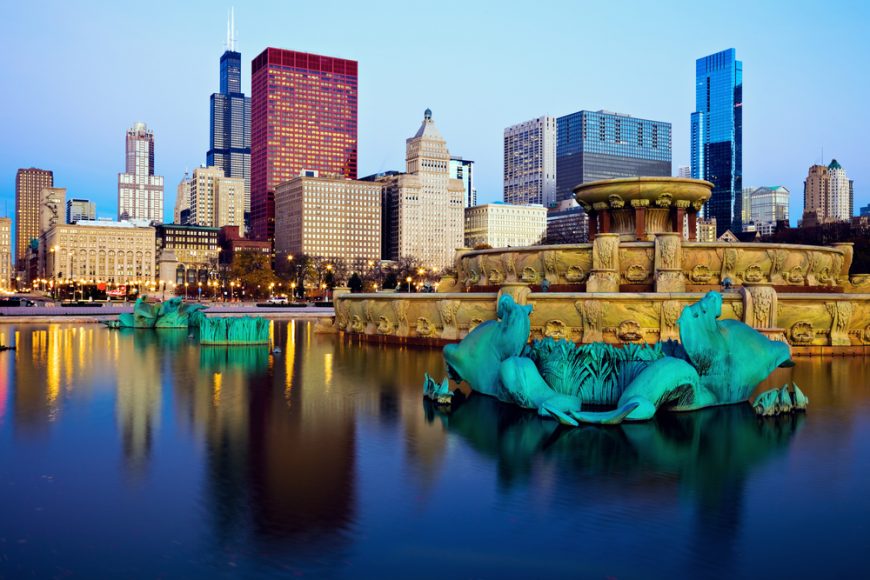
(43, 315)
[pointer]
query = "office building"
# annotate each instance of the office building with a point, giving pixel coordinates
(140, 192)
(193, 250)
(684, 171)
(423, 209)
(230, 115)
(80, 209)
(463, 170)
(768, 205)
(865, 211)
(231, 243)
(595, 145)
(500, 225)
(828, 195)
(706, 230)
(6, 270)
(51, 208)
(530, 162)
(216, 200)
(331, 217)
(303, 117)
(182, 201)
(29, 184)
(567, 223)
(717, 136)
(746, 204)
(102, 251)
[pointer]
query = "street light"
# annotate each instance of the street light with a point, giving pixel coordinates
(408, 280)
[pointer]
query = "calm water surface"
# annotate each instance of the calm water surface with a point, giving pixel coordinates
(142, 454)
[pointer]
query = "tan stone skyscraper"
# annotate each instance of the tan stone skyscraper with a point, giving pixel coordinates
(828, 195)
(182, 198)
(423, 208)
(216, 200)
(29, 184)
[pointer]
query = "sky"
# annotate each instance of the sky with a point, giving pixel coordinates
(79, 74)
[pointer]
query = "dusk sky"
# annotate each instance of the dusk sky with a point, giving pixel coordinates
(80, 73)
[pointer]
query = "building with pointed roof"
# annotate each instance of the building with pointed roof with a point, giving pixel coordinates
(423, 208)
(828, 195)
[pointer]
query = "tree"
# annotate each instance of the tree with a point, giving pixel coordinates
(355, 283)
(253, 272)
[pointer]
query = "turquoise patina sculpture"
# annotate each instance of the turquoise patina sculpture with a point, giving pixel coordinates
(439, 393)
(716, 363)
(780, 401)
(172, 313)
(231, 331)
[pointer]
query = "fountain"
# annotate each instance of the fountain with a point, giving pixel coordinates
(632, 281)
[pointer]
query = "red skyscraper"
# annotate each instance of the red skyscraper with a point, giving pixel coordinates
(303, 117)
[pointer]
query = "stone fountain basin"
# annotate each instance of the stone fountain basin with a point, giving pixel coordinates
(658, 191)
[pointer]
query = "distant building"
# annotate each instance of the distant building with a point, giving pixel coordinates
(717, 136)
(140, 192)
(530, 162)
(303, 117)
(80, 209)
(232, 243)
(865, 211)
(230, 115)
(595, 145)
(29, 184)
(194, 248)
(501, 225)
(216, 200)
(327, 216)
(746, 204)
(51, 208)
(567, 223)
(463, 170)
(706, 230)
(422, 209)
(6, 269)
(101, 251)
(684, 171)
(828, 195)
(769, 205)
(182, 199)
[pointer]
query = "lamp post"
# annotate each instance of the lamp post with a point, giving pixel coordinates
(408, 280)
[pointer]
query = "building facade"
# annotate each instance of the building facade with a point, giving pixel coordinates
(51, 208)
(463, 170)
(423, 209)
(102, 251)
(29, 184)
(303, 117)
(193, 250)
(140, 192)
(182, 200)
(500, 225)
(6, 269)
(595, 145)
(231, 243)
(717, 136)
(80, 209)
(828, 195)
(530, 162)
(327, 216)
(567, 223)
(216, 200)
(768, 205)
(230, 122)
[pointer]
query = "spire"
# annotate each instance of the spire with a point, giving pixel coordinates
(231, 30)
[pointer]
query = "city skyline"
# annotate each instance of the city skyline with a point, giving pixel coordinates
(776, 94)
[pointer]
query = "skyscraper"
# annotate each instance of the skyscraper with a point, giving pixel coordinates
(230, 135)
(463, 170)
(29, 184)
(594, 145)
(215, 200)
(303, 117)
(423, 208)
(828, 194)
(140, 192)
(530, 162)
(717, 136)
(80, 209)
(182, 199)
(5, 252)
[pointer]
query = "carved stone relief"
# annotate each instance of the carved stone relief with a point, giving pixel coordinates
(668, 324)
(802, 332)
(425, 327)
(636, 273)
(575, 274)
(700, 274)
(400, 309)
(555, 329)
(530, 275)
(591, 312)
(629, 331)
(841, 315)
(447, 309)
(384, 325)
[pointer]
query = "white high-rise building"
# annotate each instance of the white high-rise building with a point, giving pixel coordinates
(424, 207)
(828, 195)
(840, 192)
(502, 225)
(140, 192)
(530, 162)
(684, 171)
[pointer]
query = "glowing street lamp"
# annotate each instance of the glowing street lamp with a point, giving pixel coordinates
(408, 280)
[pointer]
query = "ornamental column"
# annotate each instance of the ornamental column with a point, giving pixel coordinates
(668, 262)
(605, 264)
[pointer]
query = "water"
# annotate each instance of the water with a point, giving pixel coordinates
(141, 454)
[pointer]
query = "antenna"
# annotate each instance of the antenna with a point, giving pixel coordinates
(231, 30)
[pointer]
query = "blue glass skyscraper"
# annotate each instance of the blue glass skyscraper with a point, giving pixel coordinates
(230, 141)
(717, 136)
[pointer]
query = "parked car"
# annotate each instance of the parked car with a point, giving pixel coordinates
(277, 300)
(16, 301)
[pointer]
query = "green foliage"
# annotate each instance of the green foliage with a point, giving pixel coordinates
(254, 272)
